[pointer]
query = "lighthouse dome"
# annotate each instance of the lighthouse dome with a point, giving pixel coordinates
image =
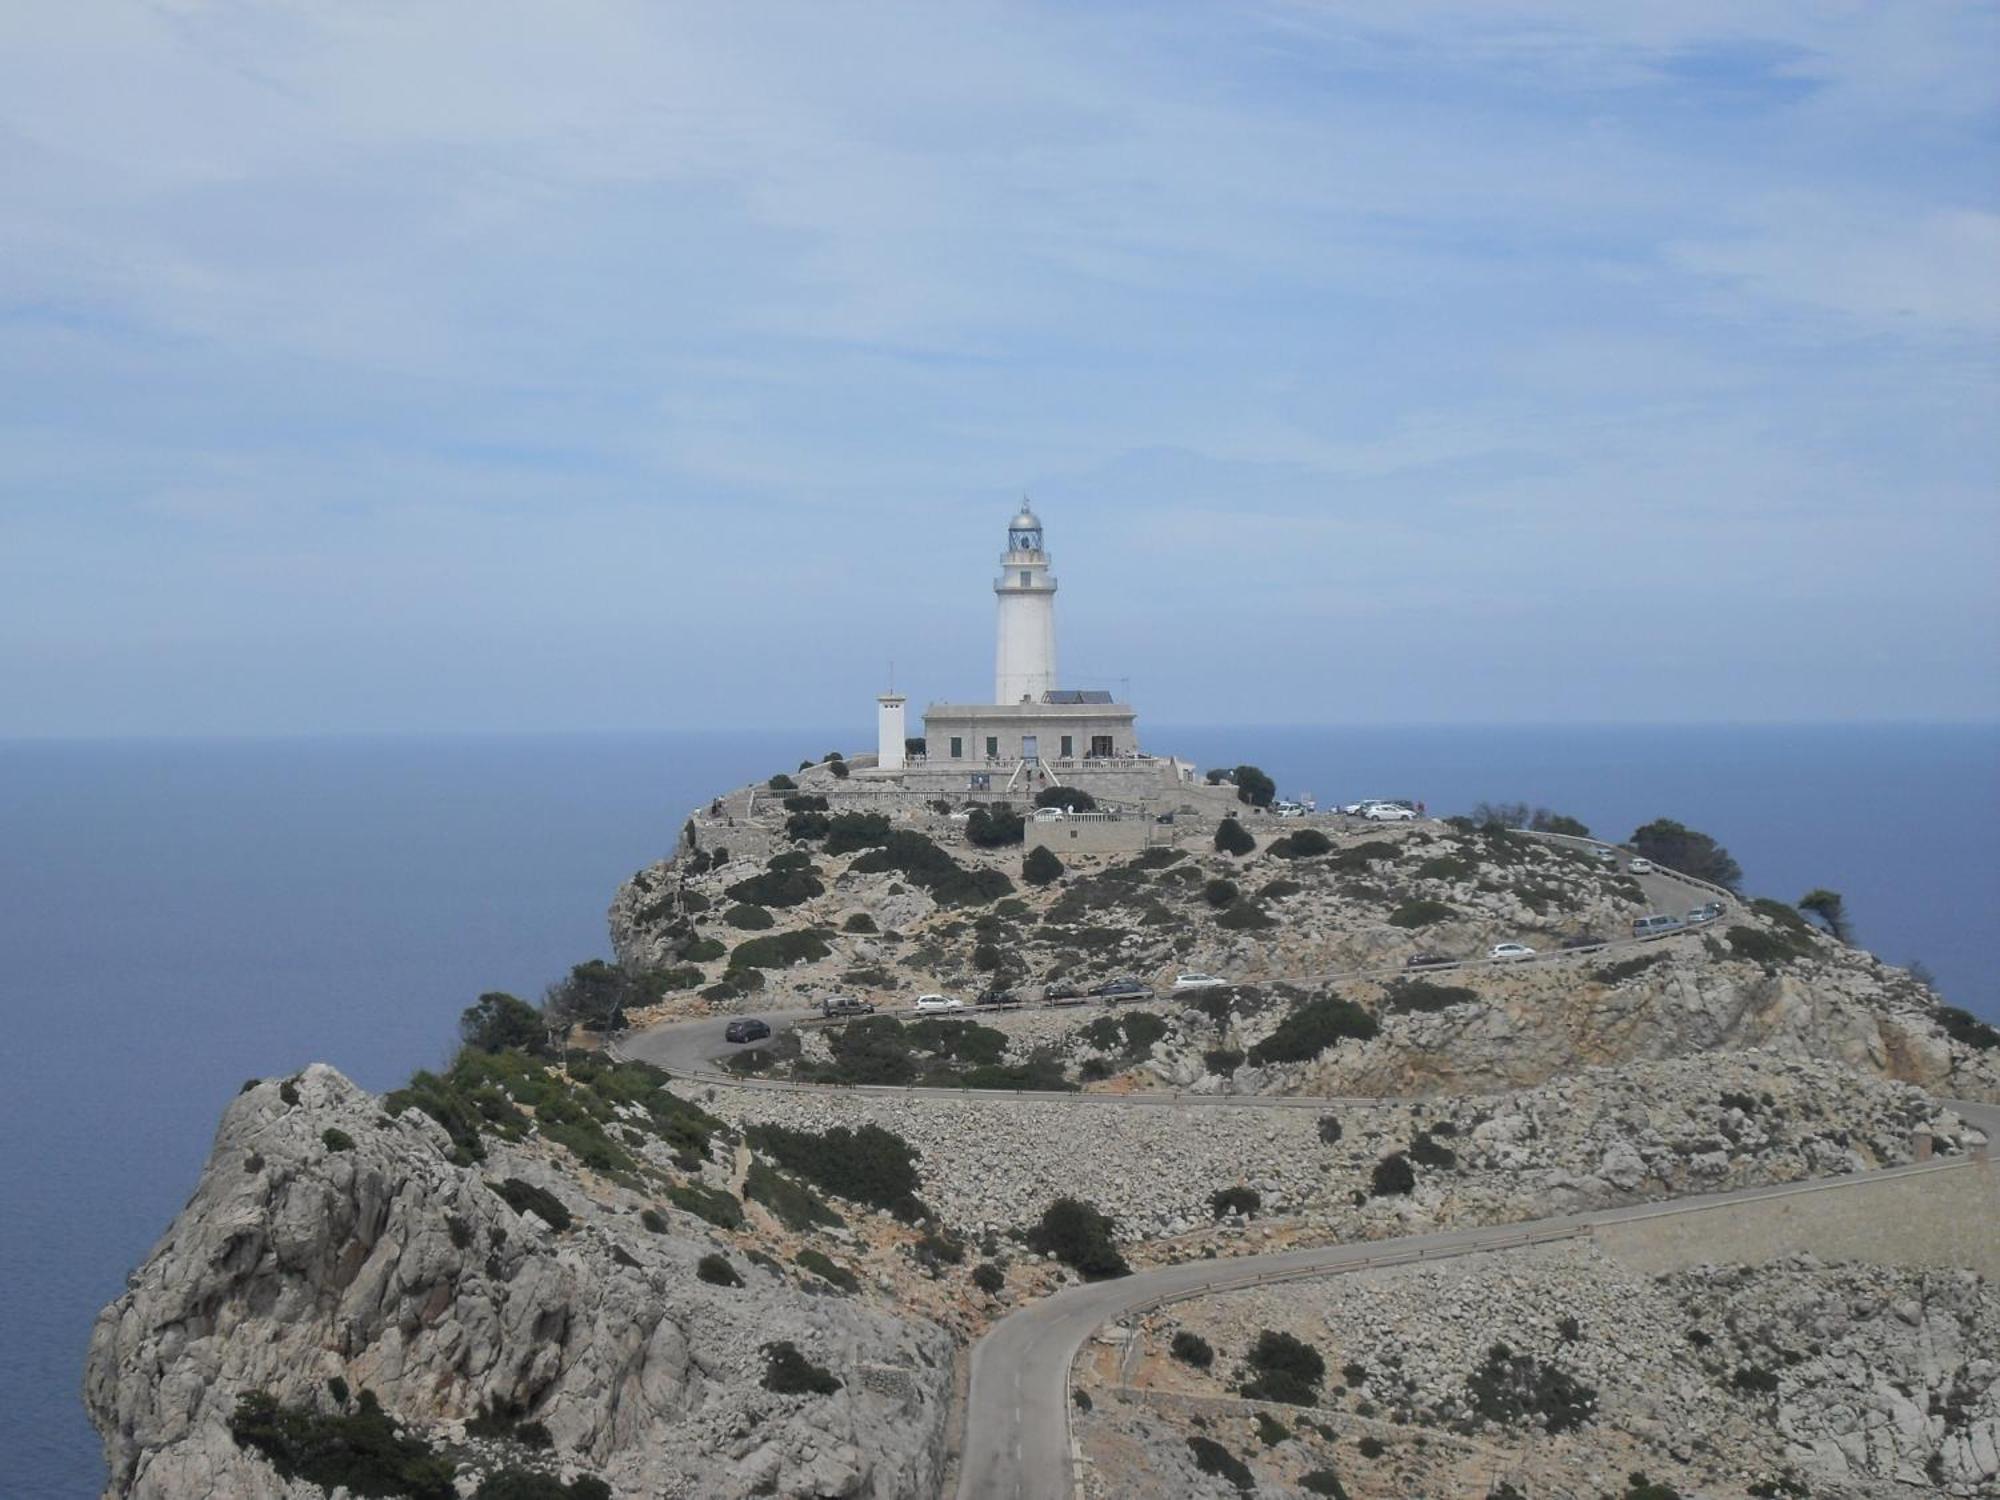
(1024, 532)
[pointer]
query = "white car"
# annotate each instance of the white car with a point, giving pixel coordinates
(1641, 867)
(1199, 982)
(1509, 952)
(1388, 812)
(938, 1002)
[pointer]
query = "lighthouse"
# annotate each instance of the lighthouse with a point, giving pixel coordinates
(1025, 660)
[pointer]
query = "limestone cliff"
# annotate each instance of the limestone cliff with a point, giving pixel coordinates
(327, 1240)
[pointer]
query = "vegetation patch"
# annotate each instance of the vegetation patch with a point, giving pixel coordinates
(796, 1206)
(1305, 844)
(365, 1450)
(828, 1270)
(750, 918)
(1212, 1458)
(779, 950)
(717, 1207)
(1679, 847)
(1629, 968)
(1041, 867)
(1518, 1389)
(993, 825)
(790, 1373)
(1231, 837)
(1421, 995)
(1761, 947)
(1191, 1349)
(867, 1165)
(1964, 1026)
(1244, 916)
(927, 866)
(1393, 1177)
(526, 1198)
(1280, 1367)
(1076, 1234)
(778, 886)
(849, 831)
(1235, 1200)
(1323, 1482)
(1311, 1028)
(1421, 911)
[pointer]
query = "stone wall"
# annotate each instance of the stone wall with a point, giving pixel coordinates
(1947, 1215)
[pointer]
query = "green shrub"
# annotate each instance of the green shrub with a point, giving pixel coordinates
(938, 1249)
(790, 1373)
(531, 1484)
(1629, 968)
(783, 783)
(1231, 837)
(1444, 867)
(1761, 947)
(1754, 1380)
(1305, 844)
(1041, 867)
(1514, 1389)
(717, 1207)
(994, 824)
(828, 1270)
(797, 1206)
(1311, 1028)
(1277, 890)
(790, 886)
(806, 802)
(926, 865)
(704, 950)
(1220, 893)
(1270, 1431)
(1076, 1234)
(1678, 847)
(526, 1198)
(1427, 1152)
(1963, 1026)
(1420, 912)
(1423, 996)
(1212, 1458)
(336, 1140)
(1639, 1487)
(1393, 1176)
(779, 950)
(364, 1450)
(1371, 1446)
(860, 922)
(805, 827)
(1222, 1061)
(988, 1277)
(1329, 1129)
(654, 1221)
(1283, 1368)
(750, 918)
(850, 831)
(1253, 786)
(1244, 917)
(288, 1092)
(1069, 798)
(1191, 1349)
(499, 1022)
(1323, 1482)
(1234, 1200)
(866, 1165)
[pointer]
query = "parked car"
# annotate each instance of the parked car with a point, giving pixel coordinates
(1607, 856)
(1050, 814)
(1426, 961)
(1198, 981)
(749, 1029)
(1702, 915)
(1388, 812)
(1507, 952)
(845, 1005)
(996, 996)
(938, 1002)
(1656, 925)
(1123, 988)
(1059, 990)
(1641, 866)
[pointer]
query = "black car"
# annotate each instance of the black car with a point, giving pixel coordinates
(996, 996)
(1426, 961)
(750, 1029)
(1121, 989)
(1060, 990)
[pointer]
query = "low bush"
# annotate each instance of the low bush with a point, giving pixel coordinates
(336, 1140)
(526, 1198)
(849, 831)
(1245, 917)
(828, 1270)
(1420, 912)
(1305, 844)
(719, 1208)
(866, 1165)
(1444, 867)
(1754, 1380)
(779, 950)
(1191, 1349)
(1076, 1234)
(1516, 1389)
(926, 865)
(364, 1450)
(1371, 1446)
(1212, 1458)
(860, 922)
(1234, 1200)
(750, 918)
(790, 1373)
(796, 1206)
(782, 887)
(1277, 890)
(1069, 798)
(993, 825)
(1323, 1482)
(1426, 1151)
(1393, 1176)
(782, 783)
(1761, 947)
(806, 802)
(988, 1277)
(1629, 968)
(1222, 1061)
(1041, 867)
(1963, 1026)
(1311, 1028)
(1270, 1431)
(532, 1484)
(1423, 996)
(1329, 1129)
(1281, 1367)
(651, 1219)
(1220, 893)
(1231, 837)
(804, 827)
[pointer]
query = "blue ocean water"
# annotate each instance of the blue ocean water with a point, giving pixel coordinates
(177, 917)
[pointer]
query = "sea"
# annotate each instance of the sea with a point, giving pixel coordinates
(179, 916)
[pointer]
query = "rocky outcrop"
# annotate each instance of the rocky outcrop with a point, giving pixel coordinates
(328, 1240)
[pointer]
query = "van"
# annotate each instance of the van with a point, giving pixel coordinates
(1655, 926)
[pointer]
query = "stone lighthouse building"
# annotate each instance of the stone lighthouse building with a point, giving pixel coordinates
(1025, 661)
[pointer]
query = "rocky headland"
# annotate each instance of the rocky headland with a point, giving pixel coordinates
(554, 1270)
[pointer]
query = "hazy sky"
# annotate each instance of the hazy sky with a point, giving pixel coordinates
(594, 365)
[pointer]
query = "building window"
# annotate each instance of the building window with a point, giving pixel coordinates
(1068, 746)
(957, 748)
(1024, 578)
(992, 747)
(1100, 744)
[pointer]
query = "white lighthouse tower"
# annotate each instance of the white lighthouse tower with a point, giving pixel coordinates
(1025, 664)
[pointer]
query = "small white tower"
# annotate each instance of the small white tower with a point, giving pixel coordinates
(1025, 664)
(889, 731)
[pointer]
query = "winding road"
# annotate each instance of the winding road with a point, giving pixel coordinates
(1017, 1442)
